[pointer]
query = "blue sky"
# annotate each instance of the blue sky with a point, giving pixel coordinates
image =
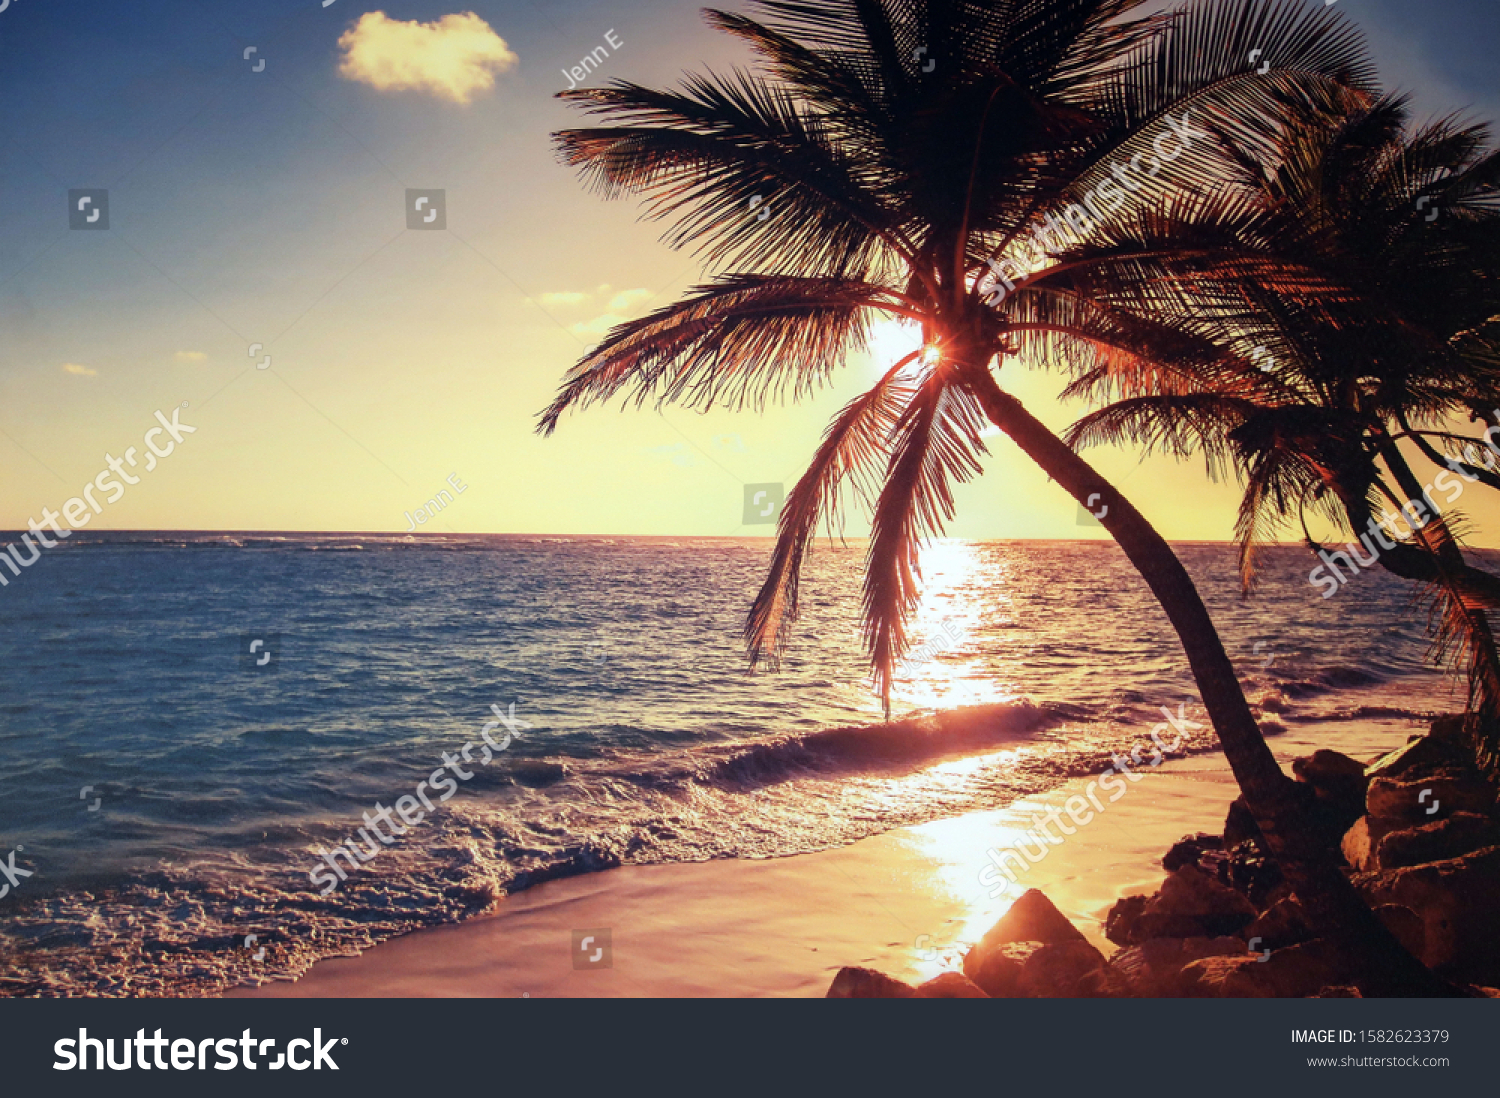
(268, 207)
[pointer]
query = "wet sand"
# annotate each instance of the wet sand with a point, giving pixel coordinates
(906, 902)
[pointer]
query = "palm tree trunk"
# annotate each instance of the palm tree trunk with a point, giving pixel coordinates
(1280, 806)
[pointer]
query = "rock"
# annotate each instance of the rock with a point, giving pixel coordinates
(1328, 768)
(1032, 918)
(1338, 993)
(1122, 917)
(1153, 969)
(1459, 903)
(1065, 970)
(1282, 924)
(1192, 905)
(1434, 796)
(1251, 872)
(866, 983)
(1339, 784)
(996, 970)
(1187, 851)
(1240, 826)
(1362, 841)
(1291, 973)
(1406, 925)
(1451, 729)
(1423, 755)
(1459, 834)
(950, 985)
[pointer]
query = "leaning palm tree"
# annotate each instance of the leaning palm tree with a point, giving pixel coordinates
(887, 152)
(1326, 385)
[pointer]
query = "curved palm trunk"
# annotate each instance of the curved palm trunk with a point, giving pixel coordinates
(1280, 806)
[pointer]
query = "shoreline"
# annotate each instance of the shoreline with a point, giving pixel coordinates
(907, 901)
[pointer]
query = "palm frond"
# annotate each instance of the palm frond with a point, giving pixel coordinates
(935, 445)
(855, 440)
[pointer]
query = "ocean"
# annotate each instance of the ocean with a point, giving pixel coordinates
(169, 788)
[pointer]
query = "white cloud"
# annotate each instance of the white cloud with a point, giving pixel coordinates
(564, 299)
(81, 371)
(626, 300)
(618, 305)
(454, 58)
(193, 357)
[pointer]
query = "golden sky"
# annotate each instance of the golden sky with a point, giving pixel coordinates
(268, 207)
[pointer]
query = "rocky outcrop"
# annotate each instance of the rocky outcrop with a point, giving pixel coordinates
(950, 985)
(1153, 969)
(997, 967)
(1458, 901)
(1427, 797)
(866, 983)
(1192, 904)
(1338, 782)
(1406, 925)
(1282, 924)
(1459, 834)
(1362, 841)
(1032, 918)
(1065, 970)
(1119, 924)
(996, 962)
(1419, 827)
(1190, 851)
(1292, 973)
(1441, 748)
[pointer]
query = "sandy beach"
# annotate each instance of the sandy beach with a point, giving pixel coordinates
(906, 902)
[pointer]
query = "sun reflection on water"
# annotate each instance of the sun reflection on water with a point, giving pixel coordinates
(951, 661)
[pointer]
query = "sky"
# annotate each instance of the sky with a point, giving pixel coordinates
(257, 158)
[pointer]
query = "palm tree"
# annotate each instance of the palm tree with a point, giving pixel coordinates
(1382, 339)
(900, 146)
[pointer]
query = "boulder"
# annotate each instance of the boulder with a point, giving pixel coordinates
(1251, 872)
(1362, 841)
(996, 969)
(1458, 900)
(1459, 834)
(1120, 922)
(1427, 754)
(1282, 924)
(1032, 918)
(1153, 969)
(1406, 925)
(1192, 904)
(866, 983)
(950, 985)
(1431, 797)
(1324, 768)
(1338, 782)
(1291, 973)
(1338, 993)
(1065, 970)
(1189, 850)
